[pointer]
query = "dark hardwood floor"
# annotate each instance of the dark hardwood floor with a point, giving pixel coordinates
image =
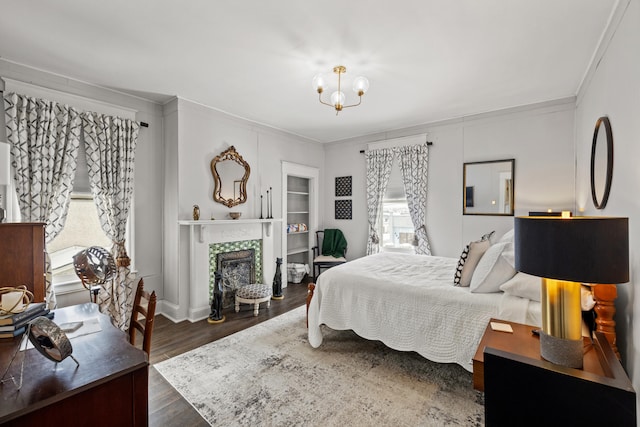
(166, 406)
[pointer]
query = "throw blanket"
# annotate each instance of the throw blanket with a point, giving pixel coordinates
(409, 303)
(334, 244)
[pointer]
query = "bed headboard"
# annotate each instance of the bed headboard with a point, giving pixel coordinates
(605, 297)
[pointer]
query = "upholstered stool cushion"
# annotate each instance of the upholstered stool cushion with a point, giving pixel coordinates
(254, 291)
(253, 294)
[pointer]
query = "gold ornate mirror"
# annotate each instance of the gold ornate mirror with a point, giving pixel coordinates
(230, 174)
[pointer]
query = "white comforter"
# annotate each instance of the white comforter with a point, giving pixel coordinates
(409, 303)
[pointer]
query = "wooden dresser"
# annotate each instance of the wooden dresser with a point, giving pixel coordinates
(22, 257)
(108, 388)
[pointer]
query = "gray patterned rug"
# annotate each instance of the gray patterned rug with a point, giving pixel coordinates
(269, 375)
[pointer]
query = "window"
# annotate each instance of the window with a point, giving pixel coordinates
(395, 228)
(82, 229)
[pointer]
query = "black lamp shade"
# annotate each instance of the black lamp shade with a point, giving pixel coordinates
(577, 249)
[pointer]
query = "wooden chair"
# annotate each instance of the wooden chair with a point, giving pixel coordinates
(145, 324)
(324, 261)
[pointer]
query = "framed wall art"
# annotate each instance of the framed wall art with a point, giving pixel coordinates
(343, 186)
(343, 209)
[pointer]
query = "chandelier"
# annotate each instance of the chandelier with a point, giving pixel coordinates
(320, 83)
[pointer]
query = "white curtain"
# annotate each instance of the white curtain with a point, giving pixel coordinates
(110, 146)
(44, 138)
(413, 164)
(379, 164)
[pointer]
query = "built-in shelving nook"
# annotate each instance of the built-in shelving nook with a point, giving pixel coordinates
(300, 205)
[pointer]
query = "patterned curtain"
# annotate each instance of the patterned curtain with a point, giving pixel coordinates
(379, 164)
(44, 138)
(110, 145)
(413, 164)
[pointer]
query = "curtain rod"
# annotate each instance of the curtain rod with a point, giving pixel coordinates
(143, 124)
(429, 143)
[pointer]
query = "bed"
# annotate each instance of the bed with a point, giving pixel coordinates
(409, 303)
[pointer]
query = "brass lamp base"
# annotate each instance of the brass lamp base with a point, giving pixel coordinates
(561, 335)
(561, 351)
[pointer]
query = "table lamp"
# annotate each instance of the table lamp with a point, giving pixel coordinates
(566, 252)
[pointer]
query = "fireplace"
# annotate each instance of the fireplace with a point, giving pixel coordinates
(237, 269)
(200, 243)
(239, 262)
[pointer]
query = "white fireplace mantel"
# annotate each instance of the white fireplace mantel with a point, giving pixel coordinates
(204, 232)
(201, 225)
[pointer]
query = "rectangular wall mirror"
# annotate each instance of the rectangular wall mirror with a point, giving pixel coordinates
(488, 187)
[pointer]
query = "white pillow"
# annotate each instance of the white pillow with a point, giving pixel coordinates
(492, 270)
(508, 236)
(523, 285)
(509, 253)
(587, 302)
(468, 261)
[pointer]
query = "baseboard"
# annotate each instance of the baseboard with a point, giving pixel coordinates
(199, 313)
(170, 311)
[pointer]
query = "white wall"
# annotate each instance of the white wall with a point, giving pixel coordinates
(539, 138)
(195, 135)
(613, 89)
(148, 191)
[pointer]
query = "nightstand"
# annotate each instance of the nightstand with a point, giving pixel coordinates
(523, 343)
(521, 387)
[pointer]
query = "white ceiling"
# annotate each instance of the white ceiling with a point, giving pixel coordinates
(426, 60)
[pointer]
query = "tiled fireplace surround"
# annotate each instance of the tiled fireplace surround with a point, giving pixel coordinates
(240, 262)
(207, 238)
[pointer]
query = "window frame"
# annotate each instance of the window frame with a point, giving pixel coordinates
(380, 228)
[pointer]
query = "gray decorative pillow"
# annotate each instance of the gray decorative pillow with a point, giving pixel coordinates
(487, 236)
(469, 259)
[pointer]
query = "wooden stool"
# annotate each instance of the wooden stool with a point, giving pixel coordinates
(253, 294)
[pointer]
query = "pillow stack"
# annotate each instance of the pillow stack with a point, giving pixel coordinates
(469, 259)
(526, 286)
(484, 267)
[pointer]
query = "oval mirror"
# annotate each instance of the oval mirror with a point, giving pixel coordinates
(230, 175)
(601, 162)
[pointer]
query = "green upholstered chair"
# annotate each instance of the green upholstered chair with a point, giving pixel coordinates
(330, 250)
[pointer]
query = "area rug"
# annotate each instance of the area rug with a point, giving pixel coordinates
(268, 375)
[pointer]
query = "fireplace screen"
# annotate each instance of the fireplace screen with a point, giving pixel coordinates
(238, 269)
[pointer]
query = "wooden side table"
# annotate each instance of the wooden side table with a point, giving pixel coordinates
(524, 343)
(521, 388)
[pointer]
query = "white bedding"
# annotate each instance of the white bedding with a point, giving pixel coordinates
(409, 303)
